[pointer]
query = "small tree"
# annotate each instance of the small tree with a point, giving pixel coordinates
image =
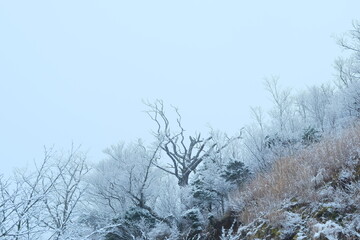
(282, 104)
(215, 178)
(254, 139)
(310, 135)
(209, 189)
(236, 172)
(192, 224)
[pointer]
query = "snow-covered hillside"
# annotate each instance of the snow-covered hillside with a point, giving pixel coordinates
(313, 195)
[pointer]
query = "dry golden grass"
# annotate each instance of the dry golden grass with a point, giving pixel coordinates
(298, 176)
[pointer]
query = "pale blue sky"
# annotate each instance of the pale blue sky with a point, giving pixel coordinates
(78, 70)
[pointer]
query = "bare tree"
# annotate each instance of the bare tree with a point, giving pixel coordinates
(127, 179)
(21, 199)
(282, 102)
(185, 154)
(254, 139)
(67, 172)
(349, 68)
(32, 204)
(7, 210)
(301, 107)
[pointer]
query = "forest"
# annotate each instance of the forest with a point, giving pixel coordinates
(294, 173)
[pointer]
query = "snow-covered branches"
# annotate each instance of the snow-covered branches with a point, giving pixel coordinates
(42, 202)
(185, 154)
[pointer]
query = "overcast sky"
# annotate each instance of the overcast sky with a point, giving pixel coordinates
(77, 71)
